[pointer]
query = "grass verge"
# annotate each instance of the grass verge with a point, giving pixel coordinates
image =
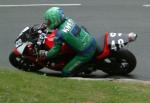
(23, 87)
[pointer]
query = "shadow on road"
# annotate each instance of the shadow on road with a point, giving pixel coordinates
(91, 76)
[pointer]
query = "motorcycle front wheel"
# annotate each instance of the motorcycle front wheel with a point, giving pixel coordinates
(23, 64)
(120, 63)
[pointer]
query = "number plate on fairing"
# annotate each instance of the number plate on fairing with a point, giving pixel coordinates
(18, 43)
(117, 40)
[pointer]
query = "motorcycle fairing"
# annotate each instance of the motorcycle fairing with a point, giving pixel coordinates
(106, 51)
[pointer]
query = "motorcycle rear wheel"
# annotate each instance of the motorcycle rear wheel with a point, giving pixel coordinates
(23, 64)
(121, 63)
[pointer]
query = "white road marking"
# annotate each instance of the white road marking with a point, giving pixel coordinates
(34, 5)
(111, 79)
(146, 5)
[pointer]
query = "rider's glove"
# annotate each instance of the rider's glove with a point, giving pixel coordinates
(43, 53)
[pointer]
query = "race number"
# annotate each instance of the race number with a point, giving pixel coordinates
(18, 43)
(116, 41)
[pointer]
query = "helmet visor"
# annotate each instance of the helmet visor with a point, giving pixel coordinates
(48, 23)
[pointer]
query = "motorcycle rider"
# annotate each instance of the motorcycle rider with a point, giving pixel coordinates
(81, 41)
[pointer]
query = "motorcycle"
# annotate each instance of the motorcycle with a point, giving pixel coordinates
(111, 57)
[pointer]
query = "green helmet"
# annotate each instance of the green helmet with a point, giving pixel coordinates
(54, 17)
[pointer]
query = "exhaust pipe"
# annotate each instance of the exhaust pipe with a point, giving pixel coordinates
(132, 36)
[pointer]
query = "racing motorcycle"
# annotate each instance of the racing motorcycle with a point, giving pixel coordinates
(112, 55)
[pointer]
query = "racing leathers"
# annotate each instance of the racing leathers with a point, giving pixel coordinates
(79, 40)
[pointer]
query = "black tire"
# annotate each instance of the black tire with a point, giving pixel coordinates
(121, 63)
(22, 64)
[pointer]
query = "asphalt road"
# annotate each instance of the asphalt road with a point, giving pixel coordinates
(98, 16)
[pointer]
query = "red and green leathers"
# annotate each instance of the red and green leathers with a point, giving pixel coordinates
(78, 39)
